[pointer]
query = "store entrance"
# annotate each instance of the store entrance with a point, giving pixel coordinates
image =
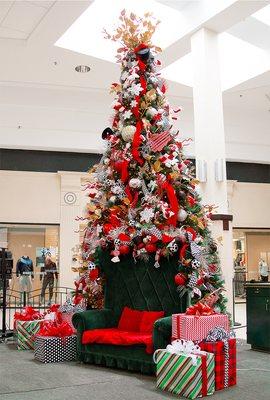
(29, 244)
(251, 256)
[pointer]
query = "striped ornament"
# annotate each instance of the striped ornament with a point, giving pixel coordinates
(157, 141)
(26, 330)
(178, 374)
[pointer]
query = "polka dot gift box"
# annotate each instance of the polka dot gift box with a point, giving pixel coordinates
(49, 349)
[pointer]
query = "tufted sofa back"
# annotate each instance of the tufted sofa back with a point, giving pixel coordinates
(140, 285)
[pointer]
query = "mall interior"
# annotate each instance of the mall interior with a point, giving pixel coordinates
(192, 147)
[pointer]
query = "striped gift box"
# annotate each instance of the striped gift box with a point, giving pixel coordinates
(196, 328)
(178, 374)
(26, 331)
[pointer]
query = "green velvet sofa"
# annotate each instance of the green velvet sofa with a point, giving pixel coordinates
(139, 286)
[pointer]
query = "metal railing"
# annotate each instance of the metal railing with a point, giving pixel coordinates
(16, 300)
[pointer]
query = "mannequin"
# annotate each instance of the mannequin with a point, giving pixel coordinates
(263, 270)
(48, 272)
(25, 273)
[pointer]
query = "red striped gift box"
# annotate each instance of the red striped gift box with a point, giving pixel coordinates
(196, 328)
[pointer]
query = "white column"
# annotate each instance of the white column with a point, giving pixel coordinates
(210, 143)
(69, 237)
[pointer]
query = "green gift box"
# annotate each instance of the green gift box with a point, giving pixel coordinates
(26, 331)
(185, 375)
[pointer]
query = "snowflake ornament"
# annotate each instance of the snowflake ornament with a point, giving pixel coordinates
(147, 214)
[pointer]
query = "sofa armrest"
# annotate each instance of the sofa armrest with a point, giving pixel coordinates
(94, 319)
(162, 333)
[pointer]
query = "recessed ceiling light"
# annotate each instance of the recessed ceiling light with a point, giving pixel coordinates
(82, 68)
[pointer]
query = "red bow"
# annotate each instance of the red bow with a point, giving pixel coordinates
(52, 328)
(200, 309)
(27, 314)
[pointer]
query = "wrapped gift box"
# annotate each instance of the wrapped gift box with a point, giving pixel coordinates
(50, 349)
(196, 328)
(180, 375)
(25, 334)
(218, 349)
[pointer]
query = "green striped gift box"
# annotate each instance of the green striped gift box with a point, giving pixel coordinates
(178, 374)
(26, 330)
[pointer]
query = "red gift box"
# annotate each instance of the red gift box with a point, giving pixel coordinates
(196, 328)
(219, 351)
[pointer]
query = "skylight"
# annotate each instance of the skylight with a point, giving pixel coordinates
(263, 15)
(239, 61)
(85, 34)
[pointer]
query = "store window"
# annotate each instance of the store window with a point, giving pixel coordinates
(251, 249)
(31, 244)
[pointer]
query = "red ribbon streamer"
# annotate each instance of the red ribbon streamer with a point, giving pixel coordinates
(129, 195)
(143, 84)
(124, 172)
(182, 252)
(136, 143)
(173, 202)
(136, 110)
(135, 199)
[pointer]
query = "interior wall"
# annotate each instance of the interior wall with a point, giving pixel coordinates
(249, 204)
(30, 197)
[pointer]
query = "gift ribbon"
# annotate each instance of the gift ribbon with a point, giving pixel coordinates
(216, 334)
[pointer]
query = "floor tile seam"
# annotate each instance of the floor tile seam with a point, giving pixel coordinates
(57, 387)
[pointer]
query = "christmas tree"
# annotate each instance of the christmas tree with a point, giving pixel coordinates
(142, 194)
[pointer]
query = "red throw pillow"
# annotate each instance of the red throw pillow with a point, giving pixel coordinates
(148, 320)
(130, 320)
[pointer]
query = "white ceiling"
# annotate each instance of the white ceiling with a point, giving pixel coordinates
(45, 104)
(18, 19)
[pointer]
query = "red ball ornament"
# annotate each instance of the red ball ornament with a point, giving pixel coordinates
(150, 248)
(180, 279)
(124, 249)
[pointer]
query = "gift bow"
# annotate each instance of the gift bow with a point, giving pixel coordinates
(219, 333)
(52, 328)
(200, 309)
(28, 314)
(185, 347)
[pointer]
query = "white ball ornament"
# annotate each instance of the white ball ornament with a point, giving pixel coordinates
(128, 133)
(182, 215)
(135, 183)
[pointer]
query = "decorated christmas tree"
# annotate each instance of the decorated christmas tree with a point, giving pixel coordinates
(142, 195)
